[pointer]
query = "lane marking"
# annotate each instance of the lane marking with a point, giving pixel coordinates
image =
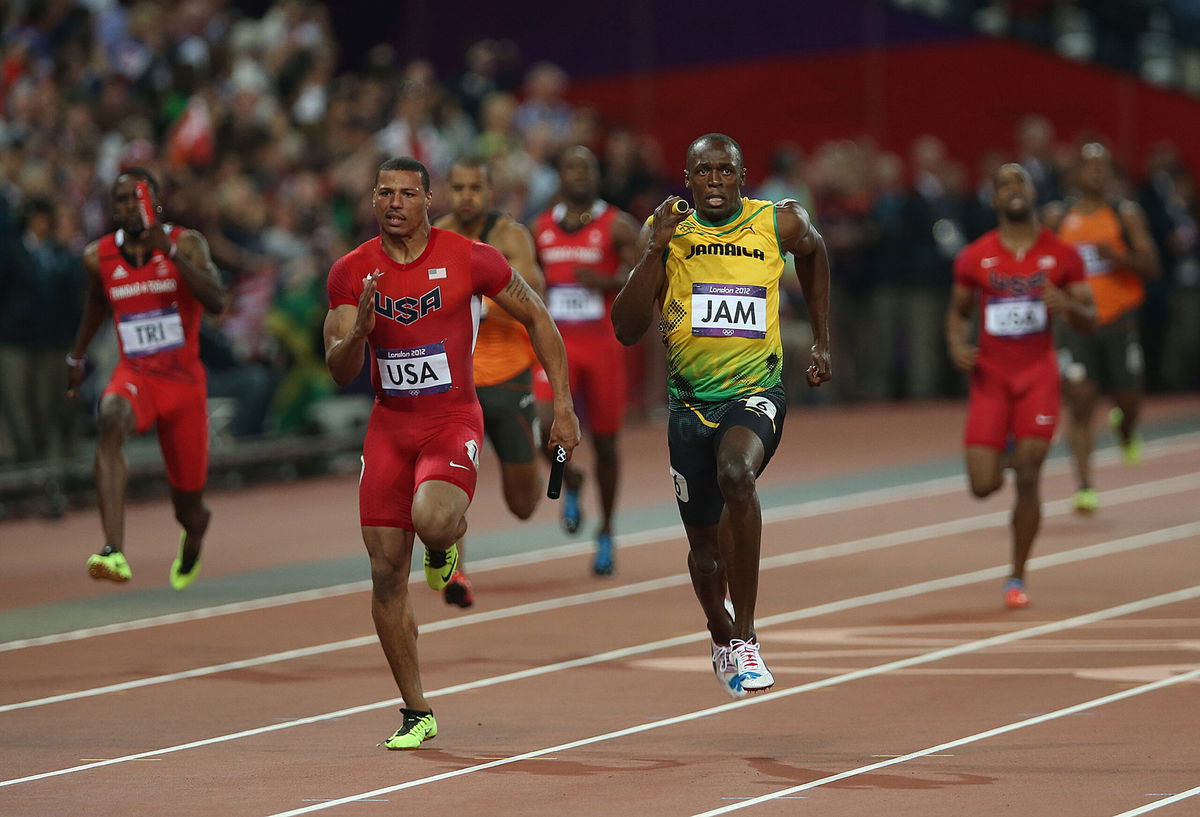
(936, 655)
(1131, 493)
(920, 588)
(990, 733)
(1149, 807)
(816, 507)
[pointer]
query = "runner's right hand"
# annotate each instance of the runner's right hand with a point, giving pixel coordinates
(666, 219)
(364, 322)
(964, 356)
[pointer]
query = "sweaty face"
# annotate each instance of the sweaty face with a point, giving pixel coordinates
(715, 177)
(126, 214)
(1015, 196)
(469, 193)
(401, 203)
(579, 177)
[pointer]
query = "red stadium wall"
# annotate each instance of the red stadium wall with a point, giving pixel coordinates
(970, 93)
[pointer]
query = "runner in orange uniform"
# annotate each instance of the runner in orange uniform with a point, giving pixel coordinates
(503, 355)
(1118, 255)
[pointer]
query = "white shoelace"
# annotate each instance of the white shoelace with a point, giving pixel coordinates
(746, 654)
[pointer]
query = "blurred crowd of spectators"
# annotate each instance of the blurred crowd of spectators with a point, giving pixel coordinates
(260, 142)
(1158, 40)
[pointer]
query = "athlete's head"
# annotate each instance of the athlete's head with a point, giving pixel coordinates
(715, 174)
(126, 213)
(1095, 169)
(401, 197)
(470, 188)
(1014, 197)
(579, 175)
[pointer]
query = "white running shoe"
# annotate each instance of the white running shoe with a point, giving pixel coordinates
(752, 673)
(726, 671)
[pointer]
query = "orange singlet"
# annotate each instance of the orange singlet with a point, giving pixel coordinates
(502, 349)
(1117, 290)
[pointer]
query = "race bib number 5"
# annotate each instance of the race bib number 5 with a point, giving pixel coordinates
(150, 332)
(1014, 317)
(413, 372)
(729, 310)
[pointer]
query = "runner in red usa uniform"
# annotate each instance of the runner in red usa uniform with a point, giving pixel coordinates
(412, 297)
(157, 279)
(1020, 275)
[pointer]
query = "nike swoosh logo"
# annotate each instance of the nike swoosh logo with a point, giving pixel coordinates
(454, 464)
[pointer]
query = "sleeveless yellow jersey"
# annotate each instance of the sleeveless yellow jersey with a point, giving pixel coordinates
(720, 312)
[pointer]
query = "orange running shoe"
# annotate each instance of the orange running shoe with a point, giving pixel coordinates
(1015, 597)
(458, 590)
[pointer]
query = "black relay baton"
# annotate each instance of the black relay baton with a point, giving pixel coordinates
(554, 488)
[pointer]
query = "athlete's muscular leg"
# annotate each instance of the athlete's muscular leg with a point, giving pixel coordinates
(193, 515)
(1130, 403)
(708, 579)
(390, 550)
(522, 487)
(438, 513)
(983, 470)
(1028, 457)
(112, 472)
(607, 473)
(740, 530)
(1081, 402)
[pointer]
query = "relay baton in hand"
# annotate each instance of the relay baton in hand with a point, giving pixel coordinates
(680, 207)
(556, 472)
(145, 203)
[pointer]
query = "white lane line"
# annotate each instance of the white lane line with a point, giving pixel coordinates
(1131, 493)
(1157, 804)
(941, 747)
(920, 588)
(936, 655)
(817, 507)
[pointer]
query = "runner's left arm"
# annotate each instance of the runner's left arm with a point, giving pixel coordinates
(798, 236)
(520, 301)
(517, 245)
(1142, 257)
(196, 266)
(1074, 303)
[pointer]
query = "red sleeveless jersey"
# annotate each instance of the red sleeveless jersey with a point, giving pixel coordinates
(576, 309)
(426, 317)
(156, 316)
(1015, 328)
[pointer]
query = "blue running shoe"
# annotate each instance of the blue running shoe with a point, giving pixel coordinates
(571, 513)
(602, 565)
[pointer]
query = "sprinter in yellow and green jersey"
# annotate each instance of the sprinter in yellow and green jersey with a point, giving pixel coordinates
(711, 277)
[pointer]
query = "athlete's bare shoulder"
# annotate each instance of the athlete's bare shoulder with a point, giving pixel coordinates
(91, 256)
(793, 222)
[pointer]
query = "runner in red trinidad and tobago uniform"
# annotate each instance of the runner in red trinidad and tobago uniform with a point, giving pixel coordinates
(413, 297)
(1021, 274)
(157, 279)
(586, 248)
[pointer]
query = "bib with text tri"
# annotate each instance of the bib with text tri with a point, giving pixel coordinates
(151, 332)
